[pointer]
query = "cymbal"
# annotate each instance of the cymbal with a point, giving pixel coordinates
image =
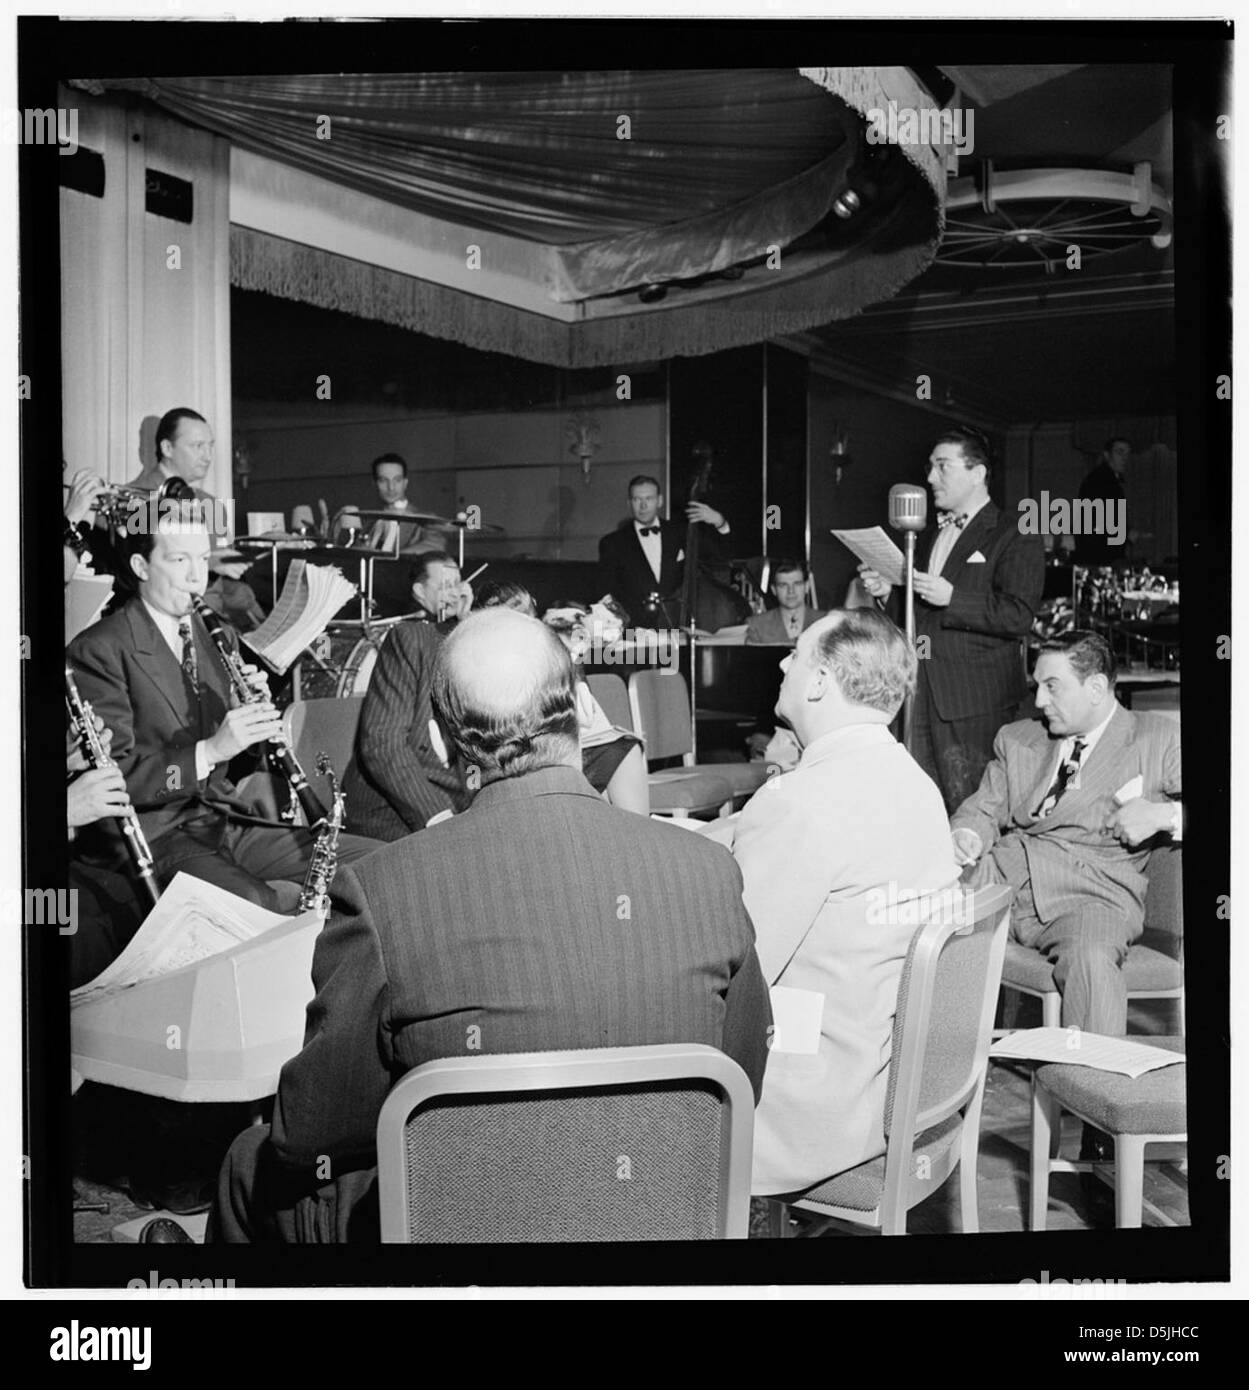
(380, 514)
(423, 519)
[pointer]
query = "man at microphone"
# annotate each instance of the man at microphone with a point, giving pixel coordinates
(978, 583)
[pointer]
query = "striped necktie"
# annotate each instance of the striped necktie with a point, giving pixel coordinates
(1067, 769)
(190, 661)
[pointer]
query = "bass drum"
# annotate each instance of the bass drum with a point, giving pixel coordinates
(358, 667)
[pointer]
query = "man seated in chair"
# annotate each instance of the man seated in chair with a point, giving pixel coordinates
(792, 615)
(826, 852)
(540, 918)
(1066, 813)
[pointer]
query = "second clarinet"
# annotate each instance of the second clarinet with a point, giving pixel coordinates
(280, 753)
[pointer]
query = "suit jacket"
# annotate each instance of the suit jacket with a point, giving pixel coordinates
(975, 663)
(501, 931)
(1105, 483)
(855, 817)
(125, 669)
(769, 628)
(397, 781)
(1074, 867)
(626, 573)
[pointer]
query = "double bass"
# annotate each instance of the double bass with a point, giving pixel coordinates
(708, 601)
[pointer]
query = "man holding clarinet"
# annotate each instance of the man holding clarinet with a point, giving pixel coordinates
(179, 716)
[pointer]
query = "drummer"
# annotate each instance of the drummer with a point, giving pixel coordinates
(390, 477)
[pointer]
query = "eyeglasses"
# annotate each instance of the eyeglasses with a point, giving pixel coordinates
(945, 469)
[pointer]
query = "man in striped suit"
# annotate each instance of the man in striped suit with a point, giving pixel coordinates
(1066, 814)
(978, 584)
(541, 918)
(401, 776)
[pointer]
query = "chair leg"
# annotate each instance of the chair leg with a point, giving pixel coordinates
(779, 1225)
(1046, 1123)
(1051, 1009)
(1129, 1179)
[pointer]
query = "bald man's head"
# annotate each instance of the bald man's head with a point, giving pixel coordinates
(505, 692)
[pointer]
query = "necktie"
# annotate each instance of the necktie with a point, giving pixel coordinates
(648, 530)
(945, 519)
(1067, 769)
(190, 662)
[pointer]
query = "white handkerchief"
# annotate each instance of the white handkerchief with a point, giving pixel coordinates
(976, 559)
(680, 556)
(1131, 790)
(796, 1018)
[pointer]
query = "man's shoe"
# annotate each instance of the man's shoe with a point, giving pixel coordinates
(1096, 1147)
(162, 1231)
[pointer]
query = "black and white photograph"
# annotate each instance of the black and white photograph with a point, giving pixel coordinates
(627, 596)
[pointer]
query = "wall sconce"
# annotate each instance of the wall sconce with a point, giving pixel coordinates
(839, 451)
(582, 430)
(242, 464)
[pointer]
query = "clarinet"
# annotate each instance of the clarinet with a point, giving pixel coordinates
(279, 751)
(128, 822)
(315, 895)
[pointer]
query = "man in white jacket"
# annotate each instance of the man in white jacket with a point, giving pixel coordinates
(830, 853)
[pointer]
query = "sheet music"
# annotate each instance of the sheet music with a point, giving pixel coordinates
(874, 548)
(310, 597)
(192, 921)
(1072, 1047)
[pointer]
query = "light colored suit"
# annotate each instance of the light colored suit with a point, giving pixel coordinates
(856, 816)
(1087, 891)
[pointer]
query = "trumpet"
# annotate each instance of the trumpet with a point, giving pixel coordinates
(128, 822)
(281, 755)
(114, 505)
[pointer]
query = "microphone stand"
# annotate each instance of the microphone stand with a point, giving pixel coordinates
(908, 703)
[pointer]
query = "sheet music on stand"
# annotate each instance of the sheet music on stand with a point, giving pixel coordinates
(193, 920)
(310, 597)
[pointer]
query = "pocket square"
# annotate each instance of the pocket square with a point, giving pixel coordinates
(976, 559)
(680, 556)
(1130, 790)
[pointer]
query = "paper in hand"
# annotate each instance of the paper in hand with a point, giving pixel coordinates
(874, 549)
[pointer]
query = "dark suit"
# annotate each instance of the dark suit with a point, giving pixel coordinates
(768, 629)
(626, 573)
(498, 931)
(1091, 549)
(126, 670)
(972, 675)
(1081, 893)
(397, 781)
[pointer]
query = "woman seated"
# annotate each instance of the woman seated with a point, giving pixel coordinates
(611, 758)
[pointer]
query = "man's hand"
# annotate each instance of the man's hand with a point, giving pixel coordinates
(463, 601)
(256, 678)
(84, 487)
(1139, 820)
(700, 511)
(874, 583)
(96, 794)
(243, 728)
(75, 758)
(967, 846)
(933, 589)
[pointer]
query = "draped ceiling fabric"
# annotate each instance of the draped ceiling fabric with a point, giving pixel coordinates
(718, 170)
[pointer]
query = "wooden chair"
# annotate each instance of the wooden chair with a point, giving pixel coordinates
(680, 791)
(613, 1143)
(660, 703)
(940, 1056)
(1154, 968)
(1135, 1112)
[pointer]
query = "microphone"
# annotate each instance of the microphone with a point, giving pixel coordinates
(908, 507)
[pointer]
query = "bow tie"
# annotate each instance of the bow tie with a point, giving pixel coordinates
(648, 530)
(945, 519)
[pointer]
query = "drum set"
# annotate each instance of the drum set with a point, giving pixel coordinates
(340, 663)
